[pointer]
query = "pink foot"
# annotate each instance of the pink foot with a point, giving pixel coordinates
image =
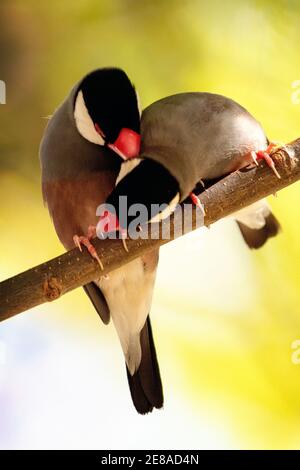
(86, 241)
(266, 155)
(195, 200)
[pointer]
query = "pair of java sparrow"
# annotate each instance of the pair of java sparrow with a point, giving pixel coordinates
(97, 147)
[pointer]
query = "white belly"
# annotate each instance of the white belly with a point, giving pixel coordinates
(128, 292)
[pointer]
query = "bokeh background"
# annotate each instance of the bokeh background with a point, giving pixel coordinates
(224, 318)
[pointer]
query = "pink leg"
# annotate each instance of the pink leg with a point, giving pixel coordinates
(86, 241)
(109, 222)
(91, 233)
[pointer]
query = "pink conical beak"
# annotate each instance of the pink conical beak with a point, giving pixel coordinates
(127, 144)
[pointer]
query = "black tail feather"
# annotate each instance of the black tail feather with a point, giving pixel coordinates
(256, 238)
(145, 385)
(98, 300)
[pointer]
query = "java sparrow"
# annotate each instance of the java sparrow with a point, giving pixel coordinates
(92, 132)
(190, 138)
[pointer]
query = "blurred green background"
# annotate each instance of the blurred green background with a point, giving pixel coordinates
(226, 319)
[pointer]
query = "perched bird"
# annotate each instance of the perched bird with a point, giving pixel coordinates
(92, 132)
(190, 138)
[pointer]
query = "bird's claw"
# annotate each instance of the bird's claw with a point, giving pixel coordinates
(267, 156)
(124, 243)
(254, 157)
(195, 200)
(86, 241)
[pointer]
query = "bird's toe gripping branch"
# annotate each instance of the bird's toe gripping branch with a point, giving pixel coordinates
(86, 241)
(267, 156)
(195, 200)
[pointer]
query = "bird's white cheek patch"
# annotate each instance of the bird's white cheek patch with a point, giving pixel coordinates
(84, 123)
(138, 100)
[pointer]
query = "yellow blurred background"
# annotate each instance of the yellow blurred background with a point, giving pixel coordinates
(224, 317)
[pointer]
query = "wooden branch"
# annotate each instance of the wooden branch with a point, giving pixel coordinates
(60, 275)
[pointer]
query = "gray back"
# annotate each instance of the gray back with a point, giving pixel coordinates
(198, 136)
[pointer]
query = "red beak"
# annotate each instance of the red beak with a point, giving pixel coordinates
(127, 144)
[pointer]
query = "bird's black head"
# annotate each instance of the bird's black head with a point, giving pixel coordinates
(148, 193)
(106, 111)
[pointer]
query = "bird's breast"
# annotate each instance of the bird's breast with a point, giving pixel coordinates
(72, 202)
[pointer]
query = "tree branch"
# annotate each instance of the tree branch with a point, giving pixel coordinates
(60, 275)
